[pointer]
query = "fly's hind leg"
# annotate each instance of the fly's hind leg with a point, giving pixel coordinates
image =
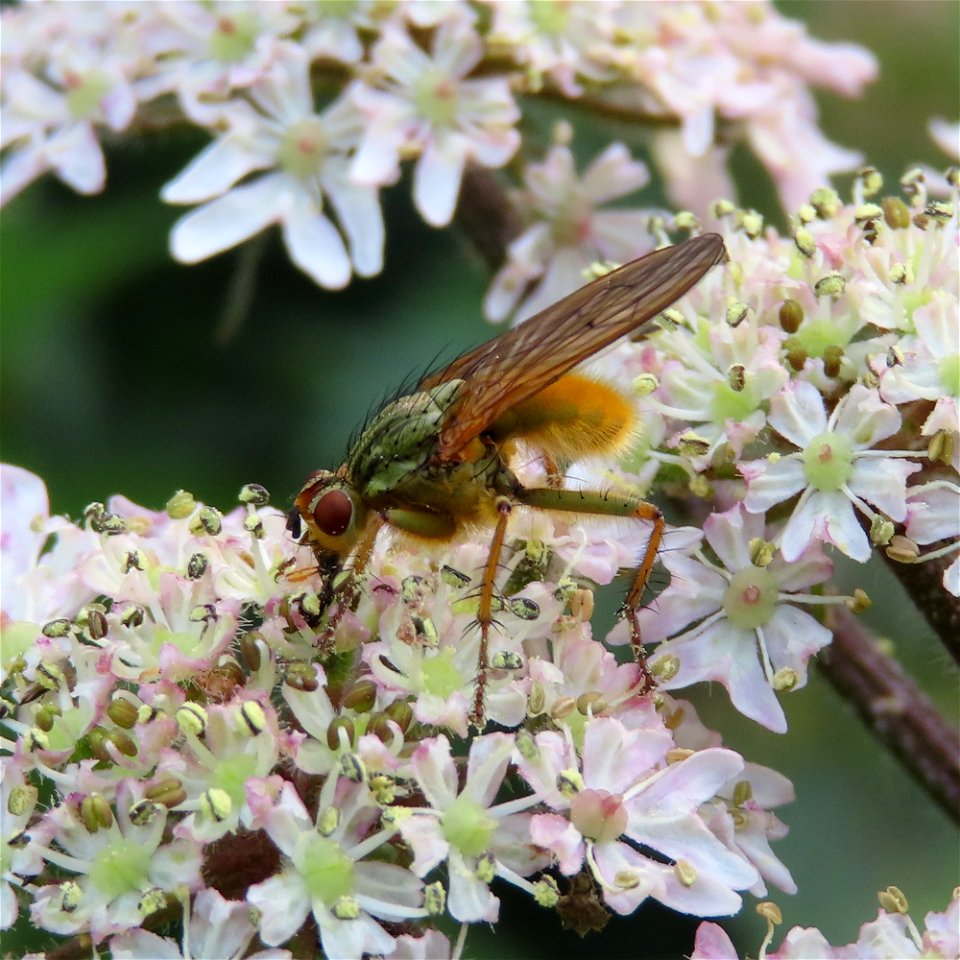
(598, 504)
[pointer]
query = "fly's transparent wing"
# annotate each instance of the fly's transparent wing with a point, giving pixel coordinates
(518, 364)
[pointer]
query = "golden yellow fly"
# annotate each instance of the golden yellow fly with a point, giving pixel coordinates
(438, 460)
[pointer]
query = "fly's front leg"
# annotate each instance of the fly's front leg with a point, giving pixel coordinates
(597, 504)
(433, 525)
(345, 588)
(478, 718)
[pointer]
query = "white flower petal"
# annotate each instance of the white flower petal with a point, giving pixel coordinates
(436, 179)
(75, 154)
(317, 248)
(797, 412)
(883, 482)
(769, 483)
(228, 220)
(214, 170)
(358, 211)
(828, 517)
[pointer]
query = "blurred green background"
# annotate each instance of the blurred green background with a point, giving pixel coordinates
(115, 378)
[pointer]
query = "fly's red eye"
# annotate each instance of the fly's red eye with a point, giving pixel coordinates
(332, 513)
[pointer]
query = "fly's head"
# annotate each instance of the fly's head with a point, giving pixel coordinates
(333, 512)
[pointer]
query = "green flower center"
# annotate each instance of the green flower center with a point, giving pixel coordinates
(437, 98)
(121, 867)
(440, 675)
(730, 404)
(817, 335)
(750, 598)
(950, 374)
(325, 9)
(326, 870)
(16, 638)
(84, 93)
(303, 148)
(550, 16)
(233, 773)
(234, 36)
(466, 826)
(828, 461)
(598, 815)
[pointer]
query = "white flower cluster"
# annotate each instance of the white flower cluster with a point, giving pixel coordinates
(314, 107)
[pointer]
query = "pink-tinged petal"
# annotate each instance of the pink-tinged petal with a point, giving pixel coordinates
(283, 904)
(614, 173)
(558, 835)
(469, 900)
(683, 786)
(215, 170)
(692, 183)
(705, 897)
(20, 168)
(288, 820)
(359, 937)
(376, 162)
(228, 220)
(752, 838)
(618, 859)
(25, 507)
(457, 48)
(695, 592)
(729, 656)
(176, 862)
(387, 889)
(883, 482)
(219, 927)
(426, 839)
(492, 148)
(828, 517)
(951, 578)
(9, 906)
(730, 533)
(615, 758)
(136, 944)
(486, 766)
(119, 105)
(621, 235)
(792, 637)
(811, 567)
(451, 713)
(75, 156)
(864, 418)
(797, 412)
(802, 942)
(936, 325)
(436, 178)
(770, 483)
(433, 767)
(433, 945)
(711, 941)
(942, 934)
(316, 248)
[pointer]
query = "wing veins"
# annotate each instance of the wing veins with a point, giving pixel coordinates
(515, 366)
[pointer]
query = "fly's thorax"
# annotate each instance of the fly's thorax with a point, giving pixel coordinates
(333, 510)
(401, 440)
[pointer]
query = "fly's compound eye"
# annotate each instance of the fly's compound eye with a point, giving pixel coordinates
(333, 512)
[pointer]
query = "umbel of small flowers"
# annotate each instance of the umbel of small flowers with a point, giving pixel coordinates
(312, 109)
(162, 689)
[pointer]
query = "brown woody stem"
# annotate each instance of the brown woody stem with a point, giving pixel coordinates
(894, 708)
